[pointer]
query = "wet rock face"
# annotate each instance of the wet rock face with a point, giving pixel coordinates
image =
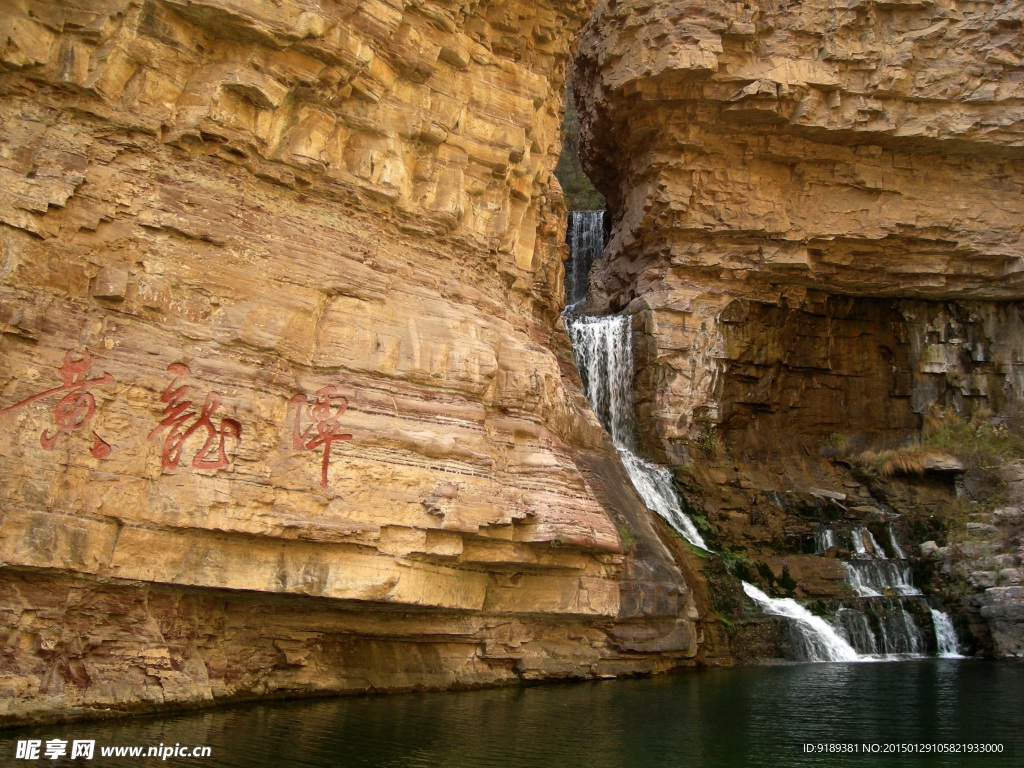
(865, 367)
(278, 284)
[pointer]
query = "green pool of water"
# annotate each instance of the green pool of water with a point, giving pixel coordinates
(750, 716)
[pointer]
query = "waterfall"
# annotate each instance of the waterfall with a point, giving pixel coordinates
(602, 348)
(895, 544)
(878, 623)
(855, 626)
(882, 627)
(586, 242)
(853, 576)
(869, 571)
(603, 351)
(901, 635)
(824, 538)
(864, 542)
(871, 578)
(945, 635)
(856, 538)
(655, 486)
(820, 641)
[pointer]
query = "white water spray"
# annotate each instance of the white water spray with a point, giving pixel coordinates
(822, 642)
(945, 635)
(586, 242)
(602, 347)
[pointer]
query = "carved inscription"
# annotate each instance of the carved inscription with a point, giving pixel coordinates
(76, 408)
(319, 413)
(316, 426)
(181, 422)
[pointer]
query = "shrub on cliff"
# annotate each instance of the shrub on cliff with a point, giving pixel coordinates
(984, 443)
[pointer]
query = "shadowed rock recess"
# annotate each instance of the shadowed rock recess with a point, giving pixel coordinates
(817, 219)
(286, 404)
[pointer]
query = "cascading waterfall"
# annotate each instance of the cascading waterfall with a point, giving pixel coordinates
(586, 242)
(819, 639)
(870, 571)
(879, 624)
(602, 347)
(945, 635)
(855, 625)
(871, 578)
(603, 350)
(655, 486)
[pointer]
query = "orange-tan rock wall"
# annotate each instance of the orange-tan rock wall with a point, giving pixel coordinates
(798, 191)
(284, 400)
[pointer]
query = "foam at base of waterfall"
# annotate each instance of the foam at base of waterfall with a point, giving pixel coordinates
(654, 484)
(821, 638)
(945, 635)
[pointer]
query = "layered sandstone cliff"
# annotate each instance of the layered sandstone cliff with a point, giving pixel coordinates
(284, 401)
(817, 222)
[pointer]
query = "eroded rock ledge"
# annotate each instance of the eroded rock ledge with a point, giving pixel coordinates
(284, 401)
(817, 222)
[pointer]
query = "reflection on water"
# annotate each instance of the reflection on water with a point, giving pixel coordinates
(751, 716)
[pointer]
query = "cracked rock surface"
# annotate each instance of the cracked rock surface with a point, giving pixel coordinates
(285, 401)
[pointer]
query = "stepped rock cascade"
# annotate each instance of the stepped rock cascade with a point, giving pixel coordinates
(585, 234)
(871, 577)
(818, 228)
(285, 403)
(888, 618)
(871, 572)
(878, 623)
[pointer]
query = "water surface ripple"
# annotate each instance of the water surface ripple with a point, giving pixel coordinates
(749, 716)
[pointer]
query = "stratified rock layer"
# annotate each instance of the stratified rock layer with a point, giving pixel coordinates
(283, 402)
(817, 216)
(781, 156)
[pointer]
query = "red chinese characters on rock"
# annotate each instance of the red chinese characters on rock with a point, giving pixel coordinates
(320, 413)
(177, 415)
(76, 408)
